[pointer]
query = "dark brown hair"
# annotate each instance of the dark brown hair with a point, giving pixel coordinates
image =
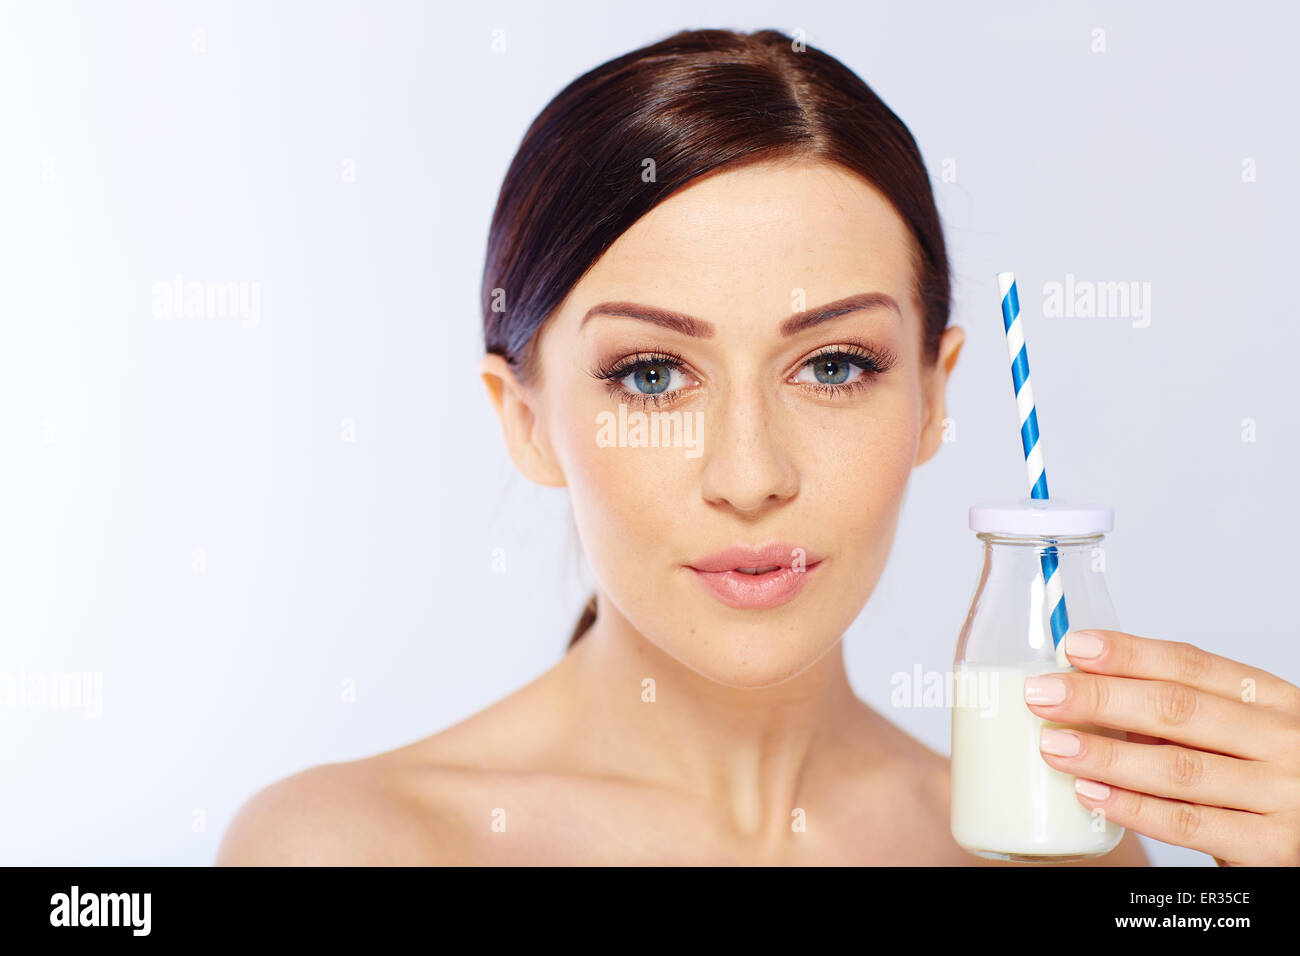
(695, 102)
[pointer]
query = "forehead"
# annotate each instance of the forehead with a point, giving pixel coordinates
(751, 236)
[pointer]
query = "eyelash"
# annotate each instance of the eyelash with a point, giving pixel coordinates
(873, 360)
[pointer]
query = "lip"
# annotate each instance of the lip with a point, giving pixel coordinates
(717, 572)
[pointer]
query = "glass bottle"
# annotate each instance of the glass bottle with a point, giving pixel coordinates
(1008, 803)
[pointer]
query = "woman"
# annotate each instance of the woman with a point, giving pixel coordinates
(716, 305)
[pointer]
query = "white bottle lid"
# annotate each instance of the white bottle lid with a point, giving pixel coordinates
(1042, 517)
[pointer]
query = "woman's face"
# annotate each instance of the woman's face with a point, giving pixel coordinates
(777, 426)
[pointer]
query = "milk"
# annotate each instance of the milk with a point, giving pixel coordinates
(1007, 802)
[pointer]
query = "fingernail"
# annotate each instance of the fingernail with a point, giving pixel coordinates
(1083, 644)
(1044, 690)
(1092, 789)
(1058, 742)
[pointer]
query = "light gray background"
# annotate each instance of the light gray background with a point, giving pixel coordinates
(179, 511)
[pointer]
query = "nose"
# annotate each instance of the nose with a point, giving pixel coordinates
(747, 467)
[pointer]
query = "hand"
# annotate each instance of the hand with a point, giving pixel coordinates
(1212, 755)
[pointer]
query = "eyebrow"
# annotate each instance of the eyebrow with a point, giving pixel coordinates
(698, 328)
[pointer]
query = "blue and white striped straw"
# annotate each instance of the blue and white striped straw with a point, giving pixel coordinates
(1053, 592)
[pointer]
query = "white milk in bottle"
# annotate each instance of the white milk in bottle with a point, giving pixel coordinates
(1007, 801)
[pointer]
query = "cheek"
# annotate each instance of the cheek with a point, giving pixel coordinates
(624, 497)
(855, 464)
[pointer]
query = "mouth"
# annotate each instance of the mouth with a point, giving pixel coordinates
(756, 578)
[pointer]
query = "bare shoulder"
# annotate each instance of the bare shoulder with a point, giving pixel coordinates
(355, 813)
(404, 806)
(918, 766)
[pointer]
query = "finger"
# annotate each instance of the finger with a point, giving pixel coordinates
(1171, 771)
(1234, 836)
(1165, 709)
(1127, 655)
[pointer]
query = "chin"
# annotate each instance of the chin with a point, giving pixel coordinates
(747, 658)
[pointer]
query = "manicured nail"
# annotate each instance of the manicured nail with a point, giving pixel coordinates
(1059, 742)
(1044, 690)
(1092, 789)
(1083, 644)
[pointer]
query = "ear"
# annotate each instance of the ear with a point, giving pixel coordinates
(934, 393)
(516, 408)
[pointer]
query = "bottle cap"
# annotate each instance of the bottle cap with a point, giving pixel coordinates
(1042, 517)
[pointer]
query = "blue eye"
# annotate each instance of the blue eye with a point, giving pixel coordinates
(652, 378)
(830, 370)
(649, 379)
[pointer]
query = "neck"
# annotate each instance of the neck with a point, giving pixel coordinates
(745, 753)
